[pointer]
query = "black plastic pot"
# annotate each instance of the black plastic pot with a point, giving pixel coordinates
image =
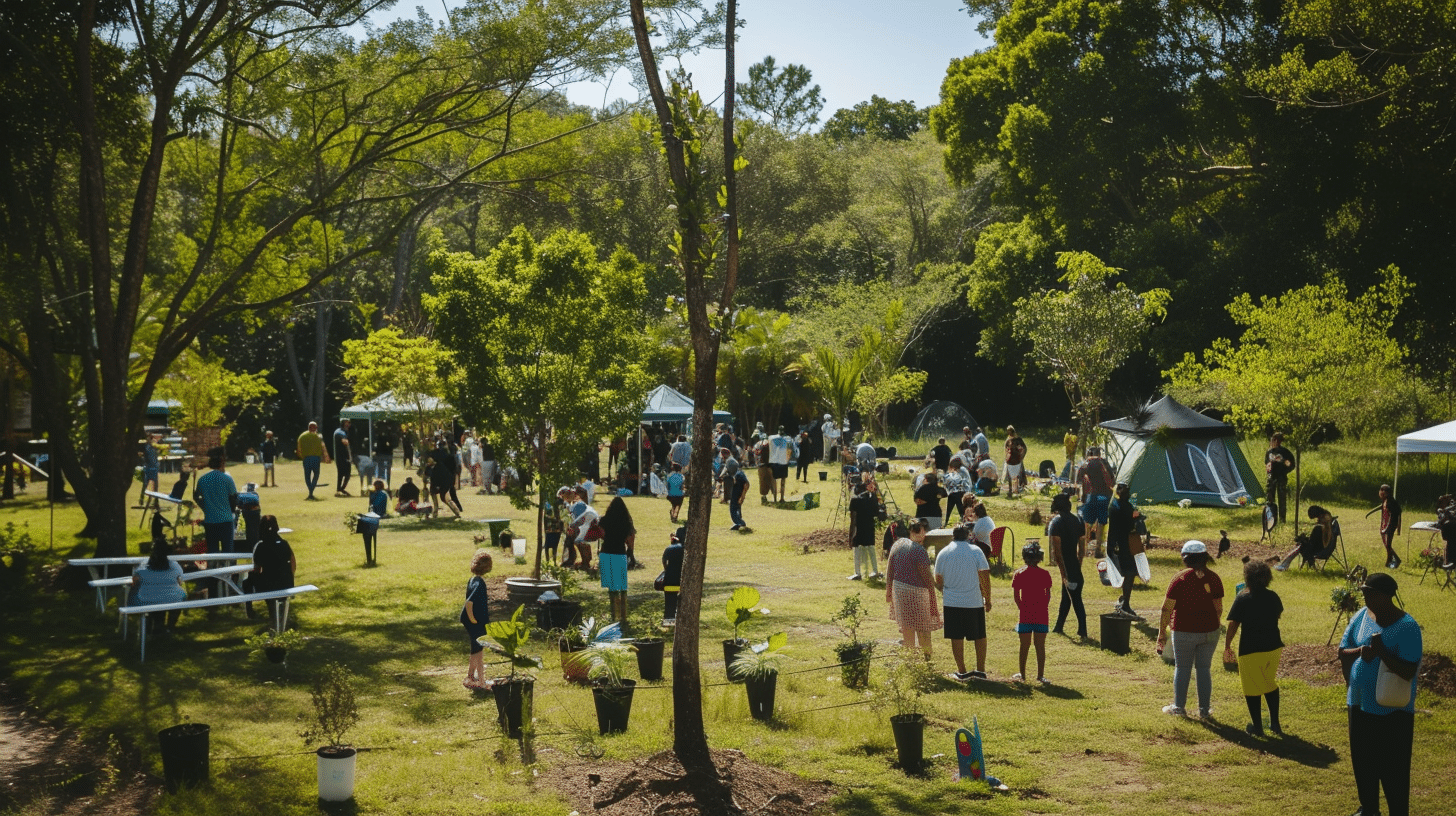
(614, 706)
(909, 732)
(649, 657)
(855, 673)
(275, 654)
(731, 650)
(823, 475)
(761, 689)
(1116, 633)
(558, 614)
(184, 755)
(510, 699)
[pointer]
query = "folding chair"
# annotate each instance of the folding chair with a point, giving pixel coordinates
(1333, 548)
(1047, 469)
(998, 537)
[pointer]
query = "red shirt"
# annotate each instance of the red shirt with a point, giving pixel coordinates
(1193, 599)
(1032, 588)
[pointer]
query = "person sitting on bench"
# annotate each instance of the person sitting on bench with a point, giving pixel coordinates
(159, 581)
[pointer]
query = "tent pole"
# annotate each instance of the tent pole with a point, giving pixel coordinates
(1395, 489)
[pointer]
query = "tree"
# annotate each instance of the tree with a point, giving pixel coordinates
(1080, 336)
(206, 389)
(1309, 361)
(782, 97)
(547, 343)
(388, 361)
(878, 118)
(751, 368)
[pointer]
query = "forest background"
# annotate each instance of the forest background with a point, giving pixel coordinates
(245, 187)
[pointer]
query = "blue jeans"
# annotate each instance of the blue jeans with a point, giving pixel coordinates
(735, 504)
(1193, 653)
(311, 466)
(382, 468)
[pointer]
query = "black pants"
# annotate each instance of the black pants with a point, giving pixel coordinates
(1072, 601)
(1380, 756)
(1277, 491)
(345, 471)
(669, 604)
(219, 540)
(801, 472)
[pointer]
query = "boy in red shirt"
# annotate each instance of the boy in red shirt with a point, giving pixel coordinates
(1031, 586)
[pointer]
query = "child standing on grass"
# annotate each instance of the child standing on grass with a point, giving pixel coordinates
(1031, 586)
(475, 615)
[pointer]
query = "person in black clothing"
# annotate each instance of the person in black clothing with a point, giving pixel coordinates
(442, 478)
(274, 563)
(806, 457)
(1257, 610)
(927, 500)
(1389, 524)
(941, 452)
(343, 458)
(269, 450)
(384, 457)
(1278, 464)
(672, 559)
(1121, 515)
(864, 515)
(407, 498)
(1068, 547)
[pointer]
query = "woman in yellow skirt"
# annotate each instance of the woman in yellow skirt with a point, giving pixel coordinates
(1255, 613)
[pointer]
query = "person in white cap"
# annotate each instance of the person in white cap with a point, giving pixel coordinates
(831, 438)
(1193, 608)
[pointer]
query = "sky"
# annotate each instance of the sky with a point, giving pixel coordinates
(897, 49)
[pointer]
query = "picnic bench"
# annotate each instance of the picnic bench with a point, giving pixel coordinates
(280, 609)
(100, 567)
(104, 585)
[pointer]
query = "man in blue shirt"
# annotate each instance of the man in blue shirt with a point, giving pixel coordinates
(1382, 731)
(217, 495)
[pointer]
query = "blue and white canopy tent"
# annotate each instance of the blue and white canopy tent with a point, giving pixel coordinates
(667, 404)
(1436, 439)
(388, 406)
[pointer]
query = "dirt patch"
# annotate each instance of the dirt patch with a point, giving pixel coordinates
(1438, 674)
(657, 785)
(48, 771)
(1315, 664)
(822, 540)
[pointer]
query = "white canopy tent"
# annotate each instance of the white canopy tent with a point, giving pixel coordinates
(387, 406)
(1437, 439)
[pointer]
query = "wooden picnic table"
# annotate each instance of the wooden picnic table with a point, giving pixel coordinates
(280, 610)
(223, 574)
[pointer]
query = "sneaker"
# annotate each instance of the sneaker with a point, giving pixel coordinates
(856, 577)
(877, 575)
(1174, 710)
(1043, 681)
(1017, 677)
(1254, 730)
(979, 675)
(1281, 567)
(734, 527)
(1205, 713)
(962, 676)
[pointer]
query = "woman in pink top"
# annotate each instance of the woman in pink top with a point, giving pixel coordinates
(1031, 586)
(910, 588)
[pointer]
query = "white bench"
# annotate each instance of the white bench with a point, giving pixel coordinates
(280, 618)
(101, 567)
(102, 585)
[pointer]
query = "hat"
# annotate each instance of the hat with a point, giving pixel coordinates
(1380, 582)
(1194, 547)
(1033, 549)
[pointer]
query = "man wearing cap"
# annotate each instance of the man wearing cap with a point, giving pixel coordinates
(1381, 639)
(963, 576)
(831, 438)
(781, 451)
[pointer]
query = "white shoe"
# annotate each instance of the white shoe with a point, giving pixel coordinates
(1174, 710)
(856, 577)
(1043, 681)
(1017, 677)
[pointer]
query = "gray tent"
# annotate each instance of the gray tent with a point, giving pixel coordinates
(941, 418)
(1169, 452)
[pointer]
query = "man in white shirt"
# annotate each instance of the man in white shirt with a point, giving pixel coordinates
(831, 438)
(781, 451)
(864, 454)
(963, 576)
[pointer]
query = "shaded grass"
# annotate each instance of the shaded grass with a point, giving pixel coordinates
(1093, 743)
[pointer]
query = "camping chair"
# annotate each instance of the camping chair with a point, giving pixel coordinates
(1047, 469)
(998, 537)
(1333, 543)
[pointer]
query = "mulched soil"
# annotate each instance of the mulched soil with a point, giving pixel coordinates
(1319, 665)
(823, 540)
(657, 785)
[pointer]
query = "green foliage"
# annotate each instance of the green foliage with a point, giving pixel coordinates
(740, 606)
(908, 677)
(269, 639)
(764, 659)
(335, 712)
(207, 389)
(1080, 336)
(851, 615)
(877, 118)
(607, 661)
(389, 361)
(783, 98)
(508, 638)
(753, 363)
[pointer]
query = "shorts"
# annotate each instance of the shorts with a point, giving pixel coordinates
(675, 501)
(1013, 472)
(149, 474)
(965, 623)
(1257, 672)
(613, 568)
(1095, 510)
(552, 540)
(780, 471)
(473, 633)
(1031, 629)
(267, 466)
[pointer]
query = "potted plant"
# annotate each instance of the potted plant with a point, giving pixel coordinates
(559, 613)
(853, 654)
(274, 645)
(908, 676)
(335, 712)
(759, 666)
(606, 660)
(739, 611)
(651, 648)
(573, 641)
(512, 693)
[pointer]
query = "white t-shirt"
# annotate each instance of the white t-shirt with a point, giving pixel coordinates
(960, 563)
(779, 449)
(981, 530)
(986, 470)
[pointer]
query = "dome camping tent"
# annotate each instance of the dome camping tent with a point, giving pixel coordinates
(941, 418)
(1168, 452)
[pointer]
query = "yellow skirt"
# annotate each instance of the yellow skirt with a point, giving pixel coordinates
(1258, 672)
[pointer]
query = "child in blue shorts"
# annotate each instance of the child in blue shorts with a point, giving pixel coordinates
(1031, 586)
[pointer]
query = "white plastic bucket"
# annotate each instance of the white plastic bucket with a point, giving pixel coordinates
(336, 777)
(518, 547)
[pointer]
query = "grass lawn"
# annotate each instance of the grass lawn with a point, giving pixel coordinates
(1094, 742)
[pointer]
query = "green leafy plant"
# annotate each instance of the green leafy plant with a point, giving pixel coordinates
(508, 638)
(289, 639)
(606, 661)
(1345, 599)
(851, 615)
(740, 608)
(908, 676)
(570, 579)
(335, 710)
(764, 659)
